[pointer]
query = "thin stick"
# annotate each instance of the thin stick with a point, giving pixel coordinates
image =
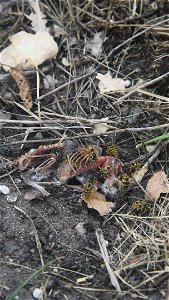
(145, 84)
(38, 244)
(64, 85)
(53, 121)
(133, 129)
(37, 90)
(135, 36)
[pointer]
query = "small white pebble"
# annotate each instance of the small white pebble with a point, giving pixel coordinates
(80, 178)
(37, 293)
(17, 180)
(80, 228)
(65, 62)
(4, 189)
(154, 5)
(11, 198)
(55, 270)
(106, 243)
(127, 83)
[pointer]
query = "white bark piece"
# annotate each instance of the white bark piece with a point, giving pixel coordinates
(95, 44)
(108, 84)
(101, 128)
(28, 51)
(38, 19)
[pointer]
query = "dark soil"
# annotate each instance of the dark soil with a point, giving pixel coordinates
(60, 225)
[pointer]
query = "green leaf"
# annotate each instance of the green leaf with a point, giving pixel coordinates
(154, 140)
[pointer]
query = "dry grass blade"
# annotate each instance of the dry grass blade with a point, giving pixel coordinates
(38, 243)
(103, 249)
(88, 135)
(35, 185)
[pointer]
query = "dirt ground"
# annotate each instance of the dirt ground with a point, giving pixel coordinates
(50, 242)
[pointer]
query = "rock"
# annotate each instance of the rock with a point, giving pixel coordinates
(80, 229)
(12, 197)
(4, 189)
(37, 293)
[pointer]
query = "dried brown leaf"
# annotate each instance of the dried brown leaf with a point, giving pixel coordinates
(24, 87)
(98, 202)
(157, 185)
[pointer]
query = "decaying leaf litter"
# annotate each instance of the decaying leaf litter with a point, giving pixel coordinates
(123, 254)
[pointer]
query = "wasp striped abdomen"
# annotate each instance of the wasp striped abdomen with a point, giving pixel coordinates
(132, 167)
(124, 180)
(110, 148)
(141, 207)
